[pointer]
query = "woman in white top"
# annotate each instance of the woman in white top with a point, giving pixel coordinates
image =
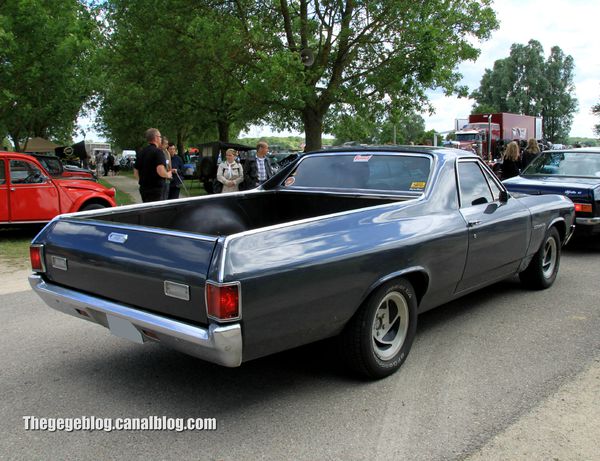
(230, 173)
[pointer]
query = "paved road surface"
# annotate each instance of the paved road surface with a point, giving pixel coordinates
(125, 184)
(487, 378)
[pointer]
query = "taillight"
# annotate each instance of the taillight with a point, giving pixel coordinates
(223, 300)
(36, 256)
(583, 207)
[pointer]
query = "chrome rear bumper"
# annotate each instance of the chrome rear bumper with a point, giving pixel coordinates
(587, 221)
(221, 344)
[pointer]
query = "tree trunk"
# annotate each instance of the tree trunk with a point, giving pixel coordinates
(180, 147)
(15, 140)
(313, 128)
(223, 128)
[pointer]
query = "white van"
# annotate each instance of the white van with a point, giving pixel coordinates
(128, 154)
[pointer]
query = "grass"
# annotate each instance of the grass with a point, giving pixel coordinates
(193, 187)
(14, 246)
(122, 198)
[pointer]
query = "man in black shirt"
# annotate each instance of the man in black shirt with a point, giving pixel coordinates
(152, 168)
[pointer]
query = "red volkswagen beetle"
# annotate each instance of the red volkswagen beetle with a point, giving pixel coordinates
(29, 194)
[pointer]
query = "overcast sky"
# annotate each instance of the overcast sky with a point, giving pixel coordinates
(571, 24)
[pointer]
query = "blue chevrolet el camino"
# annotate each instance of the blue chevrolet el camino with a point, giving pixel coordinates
(352, 243)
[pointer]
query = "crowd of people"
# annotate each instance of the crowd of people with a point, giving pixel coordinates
(159, 169)
(514, 160)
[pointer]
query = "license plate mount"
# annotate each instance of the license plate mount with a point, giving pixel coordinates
(124, 329)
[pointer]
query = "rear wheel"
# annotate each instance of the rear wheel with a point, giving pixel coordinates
(378, 338)
(543, 268)
(92, 206)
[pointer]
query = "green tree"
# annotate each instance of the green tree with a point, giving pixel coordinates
(525, 83)
(399, 128)
(189, 75)
(381, 55)
(596, 111)
(46, 50)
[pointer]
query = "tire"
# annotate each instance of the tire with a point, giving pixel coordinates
(543, 268)
(92, 206)
(371, 344)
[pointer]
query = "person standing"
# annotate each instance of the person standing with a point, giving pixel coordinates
(257, 170)
(510, 161)
(531, 151)
(230, 173)
(176, 170)
(152, 168)
(164, 145)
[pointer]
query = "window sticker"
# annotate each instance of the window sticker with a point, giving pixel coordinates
(417, 185)
(362, 158)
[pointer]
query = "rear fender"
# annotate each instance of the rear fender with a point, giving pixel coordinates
(416, 275)
(89, 199)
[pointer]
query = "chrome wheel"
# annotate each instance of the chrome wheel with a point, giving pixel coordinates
(390, 325)
(549, 258)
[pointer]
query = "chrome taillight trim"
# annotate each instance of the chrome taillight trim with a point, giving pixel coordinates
(223, 284)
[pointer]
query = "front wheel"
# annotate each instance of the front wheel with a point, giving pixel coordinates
(543, 268)
(378, 338)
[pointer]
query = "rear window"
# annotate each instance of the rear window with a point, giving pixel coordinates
(405, 173)
(565, 164)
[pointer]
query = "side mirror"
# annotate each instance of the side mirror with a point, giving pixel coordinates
(504, 196)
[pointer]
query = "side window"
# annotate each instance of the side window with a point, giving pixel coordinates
(473, 187)
(22, 172)
(2, 173)
(493, 185)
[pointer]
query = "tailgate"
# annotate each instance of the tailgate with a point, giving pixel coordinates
(146, 268)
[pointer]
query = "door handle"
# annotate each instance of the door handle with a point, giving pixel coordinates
(473, 223)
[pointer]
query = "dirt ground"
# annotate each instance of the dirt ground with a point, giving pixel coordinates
(14, 276)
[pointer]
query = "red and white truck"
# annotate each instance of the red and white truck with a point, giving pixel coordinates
(504, 127)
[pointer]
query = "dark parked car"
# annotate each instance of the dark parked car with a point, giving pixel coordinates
(574, 173)
(348, 243)
(58, 170)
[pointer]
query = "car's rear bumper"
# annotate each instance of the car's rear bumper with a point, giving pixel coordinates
(588, 225)
(221, 344)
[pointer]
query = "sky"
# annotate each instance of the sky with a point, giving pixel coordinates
(570, 24)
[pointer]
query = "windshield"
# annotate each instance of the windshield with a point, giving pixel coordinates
(565, 164)
(397, 173)
(467, 137)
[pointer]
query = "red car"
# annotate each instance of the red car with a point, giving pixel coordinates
(55, 167)
(29, 194)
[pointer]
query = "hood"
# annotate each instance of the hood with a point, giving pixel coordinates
(85, 184)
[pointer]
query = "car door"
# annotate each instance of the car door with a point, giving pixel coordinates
(499, 231)
(4, 216)
(32, 195)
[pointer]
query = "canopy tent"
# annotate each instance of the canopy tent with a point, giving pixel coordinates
(40, 145)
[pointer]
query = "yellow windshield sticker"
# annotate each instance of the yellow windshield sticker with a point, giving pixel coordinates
(417, 185)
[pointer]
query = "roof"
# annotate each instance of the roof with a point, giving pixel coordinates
(40, 145)
(445, 151)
